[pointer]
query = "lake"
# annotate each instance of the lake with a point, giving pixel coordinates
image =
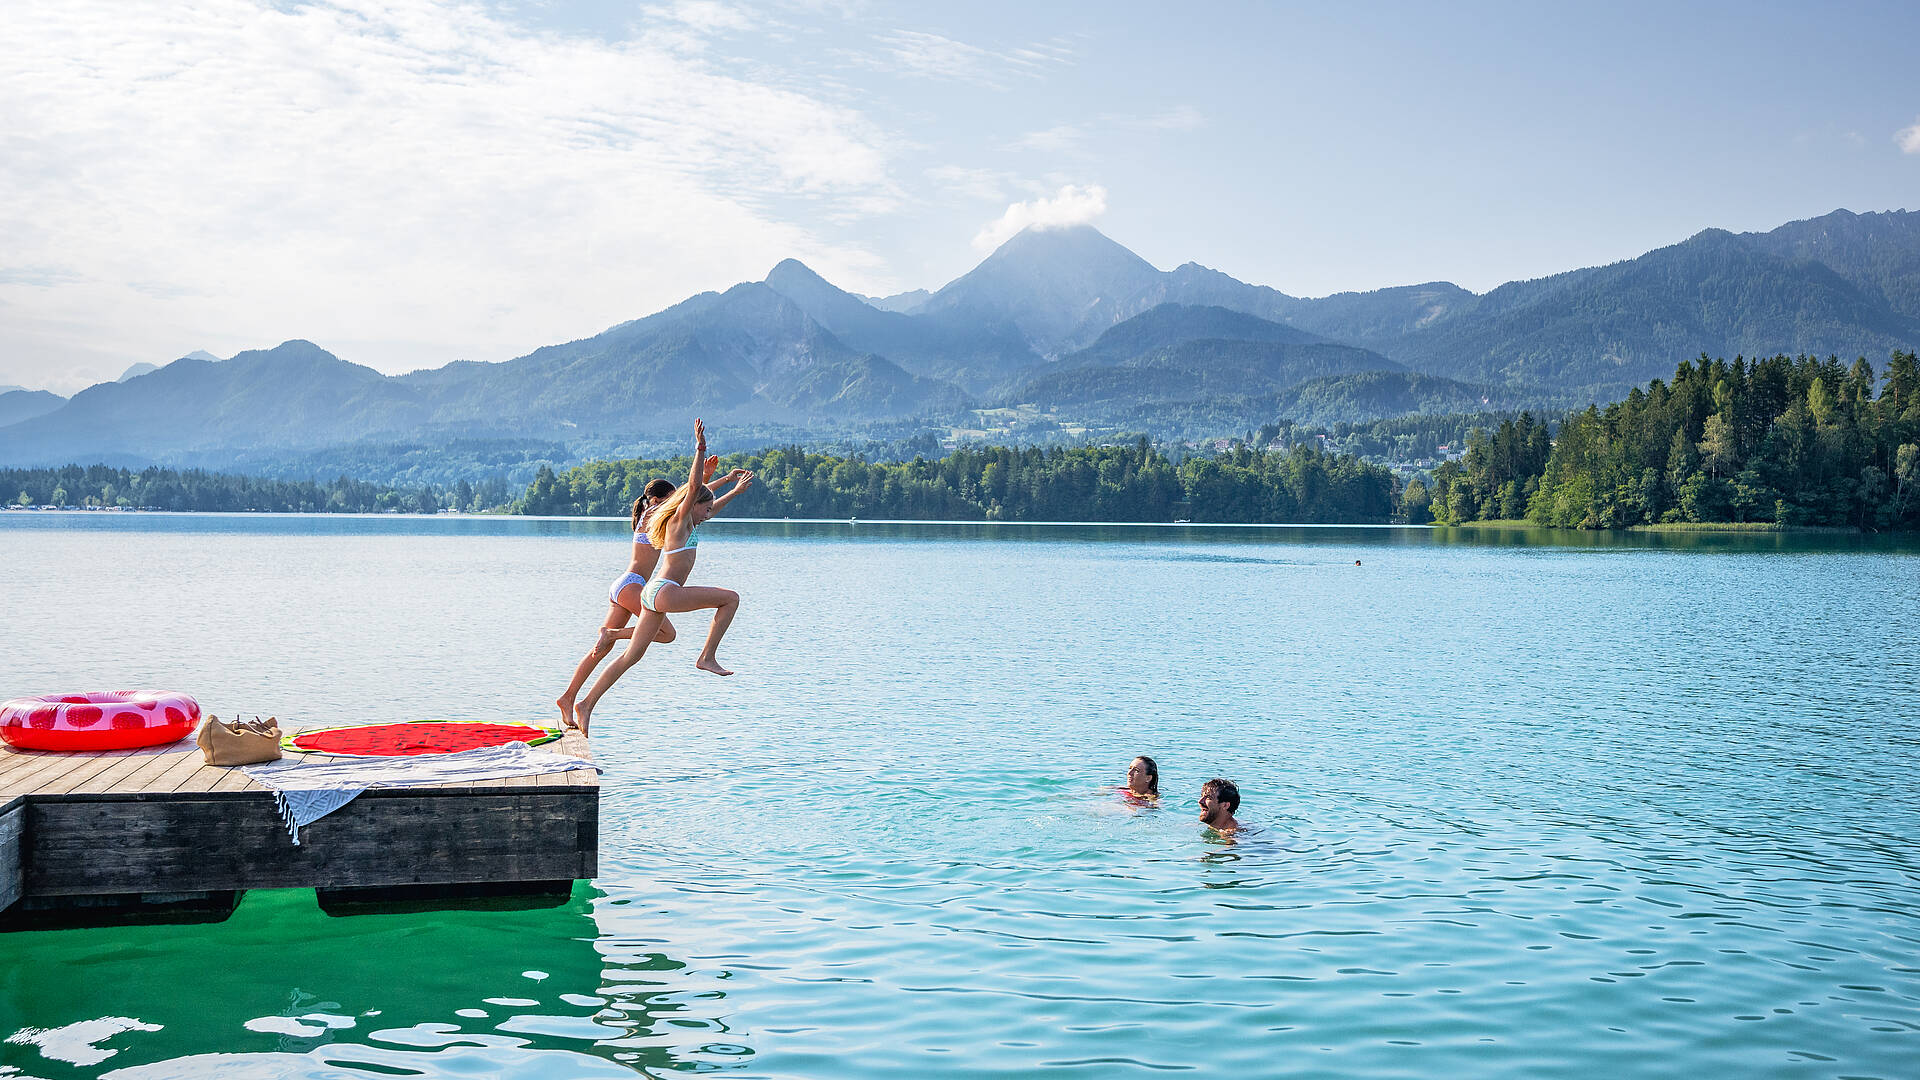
(1519, 803)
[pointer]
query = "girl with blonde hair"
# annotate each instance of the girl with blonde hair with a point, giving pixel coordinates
(623, 598)
(671, 529)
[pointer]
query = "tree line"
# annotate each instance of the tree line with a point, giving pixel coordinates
(1129, 482)
(1782, 440)
(194, 489)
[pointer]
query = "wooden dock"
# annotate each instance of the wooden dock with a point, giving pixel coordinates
(157, 829)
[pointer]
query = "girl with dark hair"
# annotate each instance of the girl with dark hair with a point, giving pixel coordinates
(623, 598)
(670, 528)
(1143, 779)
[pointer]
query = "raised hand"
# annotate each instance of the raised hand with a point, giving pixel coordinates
(700, 435)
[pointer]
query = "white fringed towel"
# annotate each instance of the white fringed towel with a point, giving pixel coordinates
(306, 791)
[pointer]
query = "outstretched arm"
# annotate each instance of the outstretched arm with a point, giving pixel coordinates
(698, 474)
(740, 483)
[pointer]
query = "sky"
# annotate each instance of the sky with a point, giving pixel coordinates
(411, 182)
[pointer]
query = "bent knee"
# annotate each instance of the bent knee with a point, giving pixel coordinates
(665, 634)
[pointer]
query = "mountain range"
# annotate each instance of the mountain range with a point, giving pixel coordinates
(1063, 319)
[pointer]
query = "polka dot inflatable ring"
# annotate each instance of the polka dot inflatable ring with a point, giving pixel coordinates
(107, 720)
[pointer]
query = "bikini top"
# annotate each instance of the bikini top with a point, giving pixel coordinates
(693, 541)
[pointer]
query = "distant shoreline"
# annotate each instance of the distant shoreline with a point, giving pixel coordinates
(1669, 527)
(1733, 527)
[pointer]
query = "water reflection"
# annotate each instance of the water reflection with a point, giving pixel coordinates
(291, 992)
(843, 531)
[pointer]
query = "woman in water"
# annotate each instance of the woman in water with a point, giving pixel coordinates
(1143, 780)
(623, 598)
(670, 528)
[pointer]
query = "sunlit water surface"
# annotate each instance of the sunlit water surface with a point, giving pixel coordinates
(1519, 804)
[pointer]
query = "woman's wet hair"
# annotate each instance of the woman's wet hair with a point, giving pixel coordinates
(1153, 774)
(663, 512)
(657, 489)
(1222, 791)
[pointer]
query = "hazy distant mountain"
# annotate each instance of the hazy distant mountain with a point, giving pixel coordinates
(976, 354)
(297, 394)
(1061, 287)
(9, 388)
(1606, 329)
(1173, 324)
(136, 371)
(1064, 317)
(748, 354)
(905, 303)
(1192, 370)
(17, 405)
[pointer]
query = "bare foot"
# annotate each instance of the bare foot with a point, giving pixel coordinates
(566, 711)
(708, 664)
(582, 714)
(608, 635)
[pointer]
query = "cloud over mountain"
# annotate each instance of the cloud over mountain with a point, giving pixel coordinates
(1072, 205)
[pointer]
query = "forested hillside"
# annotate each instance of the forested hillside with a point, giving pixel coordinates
(1136, 482)
(1790, 441)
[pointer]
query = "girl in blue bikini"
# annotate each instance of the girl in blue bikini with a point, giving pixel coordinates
(670, 529)
(623, 597)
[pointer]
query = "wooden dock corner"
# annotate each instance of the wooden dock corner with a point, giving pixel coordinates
(157, 830)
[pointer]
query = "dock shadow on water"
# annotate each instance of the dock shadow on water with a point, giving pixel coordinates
(288, 991)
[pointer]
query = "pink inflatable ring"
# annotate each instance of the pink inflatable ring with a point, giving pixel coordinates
(110, 720)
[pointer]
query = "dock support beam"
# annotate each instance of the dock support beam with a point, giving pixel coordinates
(13, 828)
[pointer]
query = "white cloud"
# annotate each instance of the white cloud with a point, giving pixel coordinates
(1072, 205)
(1909, 138)
(933, 56)
(707, 16)
(1060, 138)
(373, 174)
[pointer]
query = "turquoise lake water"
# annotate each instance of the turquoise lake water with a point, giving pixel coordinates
(1521, 804)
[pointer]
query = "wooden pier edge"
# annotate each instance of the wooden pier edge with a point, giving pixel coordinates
(129, 829)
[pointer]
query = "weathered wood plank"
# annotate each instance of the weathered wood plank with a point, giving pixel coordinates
(203, 779)
(13, 758)
(169, 781)
(50, 766)
(13, 822)
(235, 778)
(147, 773)
(124, 767)
(190, 842)
(83, 770)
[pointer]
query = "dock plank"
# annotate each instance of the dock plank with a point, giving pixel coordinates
(24, 762)
(234, 779)
(47, 772)
(171, 779)
(119, 770)
(146, 774)
(202, 779)
(92, 766)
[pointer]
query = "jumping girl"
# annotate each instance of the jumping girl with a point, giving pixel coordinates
(670, 529)
(624, 596)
